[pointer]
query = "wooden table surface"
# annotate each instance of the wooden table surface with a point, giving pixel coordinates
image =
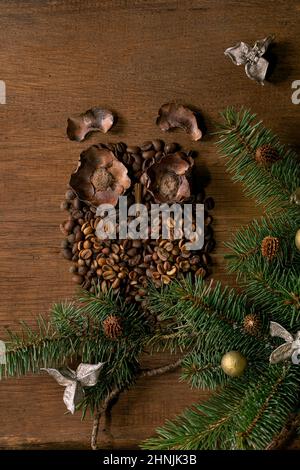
(62, 57)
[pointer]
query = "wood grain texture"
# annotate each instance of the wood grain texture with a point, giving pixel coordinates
(62, 57)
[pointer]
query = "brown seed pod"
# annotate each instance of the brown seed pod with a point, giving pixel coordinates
(270, 247)
(100, 177)
(168, 180)
(266, 155)
(252, 324)
(112, 327)
(172, 115)
(95, 119)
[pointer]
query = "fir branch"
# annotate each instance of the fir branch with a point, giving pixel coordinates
(221, 421)
(239, 137)
(245, 247)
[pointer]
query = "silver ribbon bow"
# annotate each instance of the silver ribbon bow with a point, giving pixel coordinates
(291, 347)
(255, 65)
(86, 375)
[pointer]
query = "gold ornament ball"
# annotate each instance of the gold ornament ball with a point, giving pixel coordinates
(297, 239)
(233, 363)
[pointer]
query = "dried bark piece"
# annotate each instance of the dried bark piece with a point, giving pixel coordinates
(172, 115)
(94, 119)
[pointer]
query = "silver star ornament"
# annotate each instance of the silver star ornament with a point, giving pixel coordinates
(86, 375)
(256, 65)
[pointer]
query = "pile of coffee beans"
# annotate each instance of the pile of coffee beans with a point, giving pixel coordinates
(127, 266)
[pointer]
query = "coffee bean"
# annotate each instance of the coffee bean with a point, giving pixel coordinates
(77, 204)
(116, 283)
(69, 195)
(64, 206)
(147, 154)
(208, 233)
(82, 270)
(205, 259)
(201, 272)
(162, 254)
(64, 244)
(171, 148)
(104, 288)
(208, 220)
(158, 145)
(132, 252)
(87, 244)
(77, 279)
(200, 197)
(110, 146)
(121, 147)
(69, 225)
(67, 253)
(85, 254)
(78, 216)
(136, 243)
(71, 238)
(172, 272)
(165, 279)
(78, 236)
(133, 149)
(210, 246)
(209, 203)
(146, 146)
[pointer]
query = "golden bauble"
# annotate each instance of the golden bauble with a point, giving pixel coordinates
(297, 239)
(233, 363)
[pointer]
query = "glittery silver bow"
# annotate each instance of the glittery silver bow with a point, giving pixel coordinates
(86, 375)
(291, 347)
(256, 66)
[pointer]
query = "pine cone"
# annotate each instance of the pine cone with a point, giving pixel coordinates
(270, 247)
(266, 155)
(112, 327)
(252, 324)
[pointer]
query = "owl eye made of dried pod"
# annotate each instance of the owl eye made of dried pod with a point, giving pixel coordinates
(95, 119)
(167, 178)
(100, 177)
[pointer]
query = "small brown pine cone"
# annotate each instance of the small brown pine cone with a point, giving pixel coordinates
(112, 327)
(266, 155)
(252, 324)
(270, 247)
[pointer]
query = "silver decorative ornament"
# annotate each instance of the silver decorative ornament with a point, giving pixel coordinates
(295, 197)
(291, 347)
(256, 65)
(86, 375)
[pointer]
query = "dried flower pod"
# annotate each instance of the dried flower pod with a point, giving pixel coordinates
(112, 327)
(95, 119)
(167, 179)
(270, 247)
(172, 115)
(266, 155)
(100, 178)
(252, 324)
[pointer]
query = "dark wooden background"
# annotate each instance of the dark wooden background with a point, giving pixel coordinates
(62, 57)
